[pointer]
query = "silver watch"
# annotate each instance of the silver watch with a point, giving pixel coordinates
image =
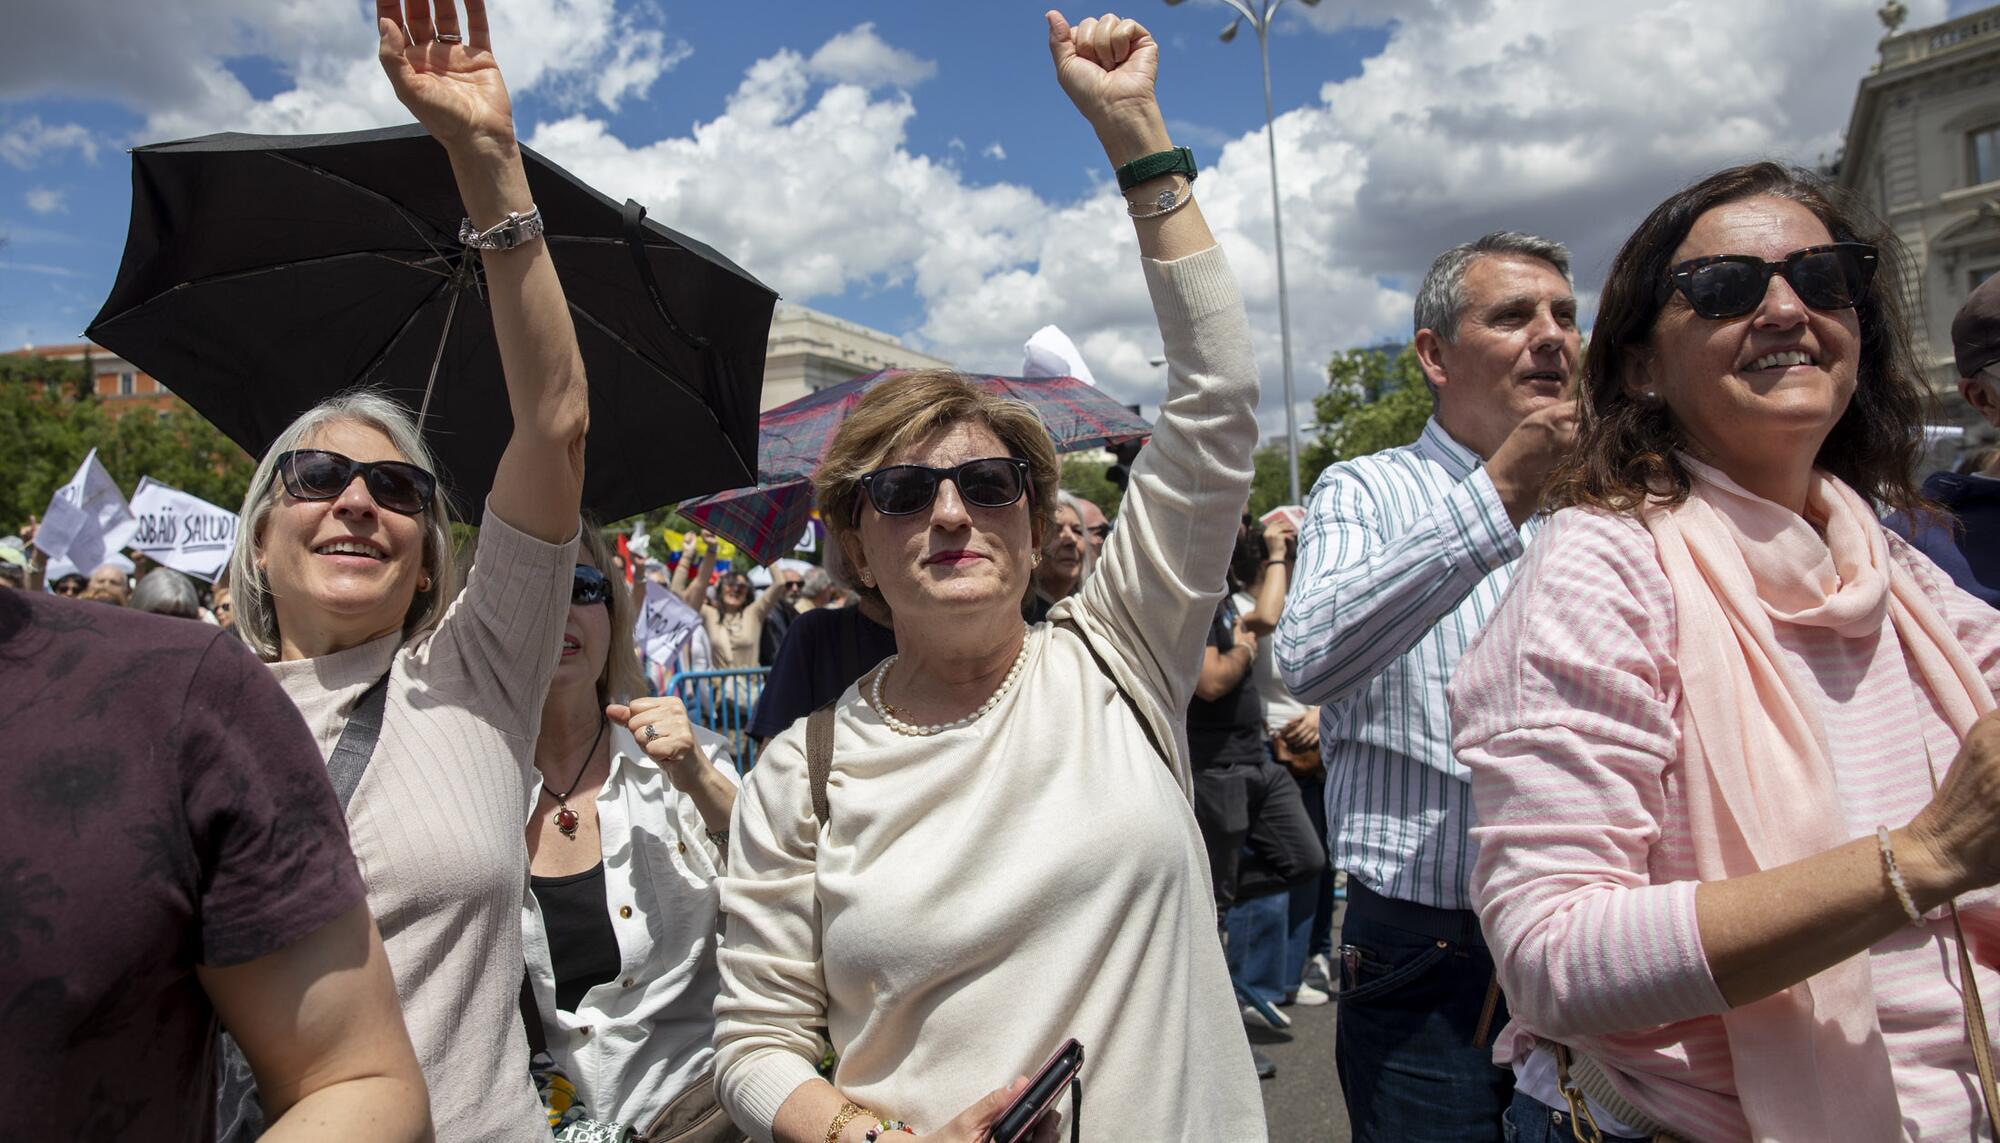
(514, 230)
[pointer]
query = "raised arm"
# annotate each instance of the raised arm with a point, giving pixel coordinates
(448, 79)
(1151, 597)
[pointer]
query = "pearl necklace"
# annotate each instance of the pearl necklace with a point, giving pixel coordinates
(920, 731)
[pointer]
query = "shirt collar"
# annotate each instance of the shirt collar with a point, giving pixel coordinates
(1438, 445)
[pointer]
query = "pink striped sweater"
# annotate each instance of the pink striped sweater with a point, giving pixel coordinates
(1567, 713)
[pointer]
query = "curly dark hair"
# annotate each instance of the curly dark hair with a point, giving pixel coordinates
(1626, 454)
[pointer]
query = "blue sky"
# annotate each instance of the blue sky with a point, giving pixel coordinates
(921, 172)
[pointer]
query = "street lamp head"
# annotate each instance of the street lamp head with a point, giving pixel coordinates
(1229, 33)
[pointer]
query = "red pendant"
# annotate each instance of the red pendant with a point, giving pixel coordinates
(566, 821)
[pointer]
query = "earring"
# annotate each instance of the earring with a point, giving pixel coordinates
(423, 585)
(867, 578)
(1038, 560)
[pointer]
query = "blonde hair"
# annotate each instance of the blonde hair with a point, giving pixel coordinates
(256, 612)
(621, 680)
(899, 412)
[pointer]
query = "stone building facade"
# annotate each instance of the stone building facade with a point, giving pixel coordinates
(1923, 148)
(810, 350)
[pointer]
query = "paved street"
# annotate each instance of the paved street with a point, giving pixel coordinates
(1302, 1102)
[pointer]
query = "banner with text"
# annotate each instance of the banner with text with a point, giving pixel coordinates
(665, 623)
(179, 531)
(87, 520)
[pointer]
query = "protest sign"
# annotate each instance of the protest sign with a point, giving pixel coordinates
(179, 531)
(87, 519)
(664, 625)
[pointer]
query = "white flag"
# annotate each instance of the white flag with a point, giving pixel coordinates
(87, 519)
(664, 624)
(183, 532)
(640, 543)
(1050, 353)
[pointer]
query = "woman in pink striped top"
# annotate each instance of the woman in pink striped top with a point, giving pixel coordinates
(1704, 726)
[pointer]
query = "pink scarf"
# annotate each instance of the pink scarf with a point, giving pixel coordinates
(1809, 1061)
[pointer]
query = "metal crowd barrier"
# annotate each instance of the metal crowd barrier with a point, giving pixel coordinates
(723, 701)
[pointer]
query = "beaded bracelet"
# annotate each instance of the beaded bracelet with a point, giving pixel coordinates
(1896, 877)
(885, 1127)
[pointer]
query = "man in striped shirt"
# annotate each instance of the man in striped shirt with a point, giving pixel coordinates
(1403, 556)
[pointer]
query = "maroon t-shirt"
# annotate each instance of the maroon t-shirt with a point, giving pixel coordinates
(162, 805)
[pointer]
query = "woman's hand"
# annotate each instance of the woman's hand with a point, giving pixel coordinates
(975, 1123)
(453, 88)
(1957, 836)
(663, 729)
(1108, 67)
(1302, 732)
(1278, 535)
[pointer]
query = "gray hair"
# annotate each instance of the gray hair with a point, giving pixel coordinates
(256, 613)
(815, 582)
(165, 591)
(1070, 500)
(1441, 299)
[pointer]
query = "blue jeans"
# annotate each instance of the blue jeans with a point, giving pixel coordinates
(1415, 1064)
(1529, 1120)
(1259, 948)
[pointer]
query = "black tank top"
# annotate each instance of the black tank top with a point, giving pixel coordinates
(582, 944)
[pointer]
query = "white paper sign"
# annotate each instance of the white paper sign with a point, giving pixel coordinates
(87, 519)
(808, 542)
(183, 532)
(1050, 353)
(665, 622)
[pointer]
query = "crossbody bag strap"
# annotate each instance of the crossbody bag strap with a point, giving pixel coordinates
(1145, 724)
(1977, 1033)
(357, 741)
(819, 759)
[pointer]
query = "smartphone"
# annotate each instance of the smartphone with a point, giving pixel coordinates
(1018, 1121)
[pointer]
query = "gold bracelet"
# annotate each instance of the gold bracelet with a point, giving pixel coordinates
(846, 1115)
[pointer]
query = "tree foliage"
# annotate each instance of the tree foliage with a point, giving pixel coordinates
(49, 421)
(1083, 475)
(1374, 399)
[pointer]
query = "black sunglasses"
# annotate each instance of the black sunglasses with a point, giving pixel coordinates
(69, 585)
(1830, 277)
(316, 474)
(587, 585)
(904, 489)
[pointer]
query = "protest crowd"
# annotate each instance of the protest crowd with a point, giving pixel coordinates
(1638, 717)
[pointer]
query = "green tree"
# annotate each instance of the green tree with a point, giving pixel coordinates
(1374, 399)
(1271, 485)
(1083, 474)
(49, 421)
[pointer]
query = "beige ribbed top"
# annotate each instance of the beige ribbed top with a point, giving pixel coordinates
(980, 895)
(436, 821)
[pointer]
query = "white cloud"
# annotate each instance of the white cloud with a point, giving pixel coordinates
(25, 143)
(168, 61)
(859, 56)
(47, 200)
(995, 151)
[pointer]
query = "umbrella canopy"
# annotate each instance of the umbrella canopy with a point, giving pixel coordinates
(263, 274)
(768, 519)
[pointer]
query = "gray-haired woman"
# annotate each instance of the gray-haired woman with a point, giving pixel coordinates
(344, 581)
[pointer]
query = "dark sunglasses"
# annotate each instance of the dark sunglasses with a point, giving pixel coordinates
(1101, 531)
(316, 474)
(587, 585)
(1831, 277)
(69, 585)
(904, 489)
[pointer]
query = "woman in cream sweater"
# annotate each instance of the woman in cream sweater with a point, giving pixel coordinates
(1009, 858)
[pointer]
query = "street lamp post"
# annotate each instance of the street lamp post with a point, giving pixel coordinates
(1260, 20)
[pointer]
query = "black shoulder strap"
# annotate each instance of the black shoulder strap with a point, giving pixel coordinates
(1145, 724)
(819, 758)
(531, 1018)
(357, 741)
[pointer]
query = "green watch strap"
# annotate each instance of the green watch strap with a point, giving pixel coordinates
(1180, 160)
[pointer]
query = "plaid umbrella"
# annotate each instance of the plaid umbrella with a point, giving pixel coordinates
(768, 519)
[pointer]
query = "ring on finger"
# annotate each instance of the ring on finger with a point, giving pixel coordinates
(450, 38)
(652, 731)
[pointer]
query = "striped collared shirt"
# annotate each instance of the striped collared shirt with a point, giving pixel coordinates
(1403, 556)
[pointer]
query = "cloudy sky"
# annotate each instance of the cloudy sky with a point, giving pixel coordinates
(914, 167)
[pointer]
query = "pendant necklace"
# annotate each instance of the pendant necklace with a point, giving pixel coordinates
(566, 818)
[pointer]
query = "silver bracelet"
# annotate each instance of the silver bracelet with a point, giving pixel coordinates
(517, 229)
(1164, 203)
(1896, 877)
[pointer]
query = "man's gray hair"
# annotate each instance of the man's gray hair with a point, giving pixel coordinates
(1441, 299)
(256, 612)
(165, 591)
(815, 582)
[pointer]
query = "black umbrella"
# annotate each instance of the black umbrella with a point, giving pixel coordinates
(265, 273)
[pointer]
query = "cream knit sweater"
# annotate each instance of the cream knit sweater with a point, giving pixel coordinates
(981, 895)
(436, 821)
